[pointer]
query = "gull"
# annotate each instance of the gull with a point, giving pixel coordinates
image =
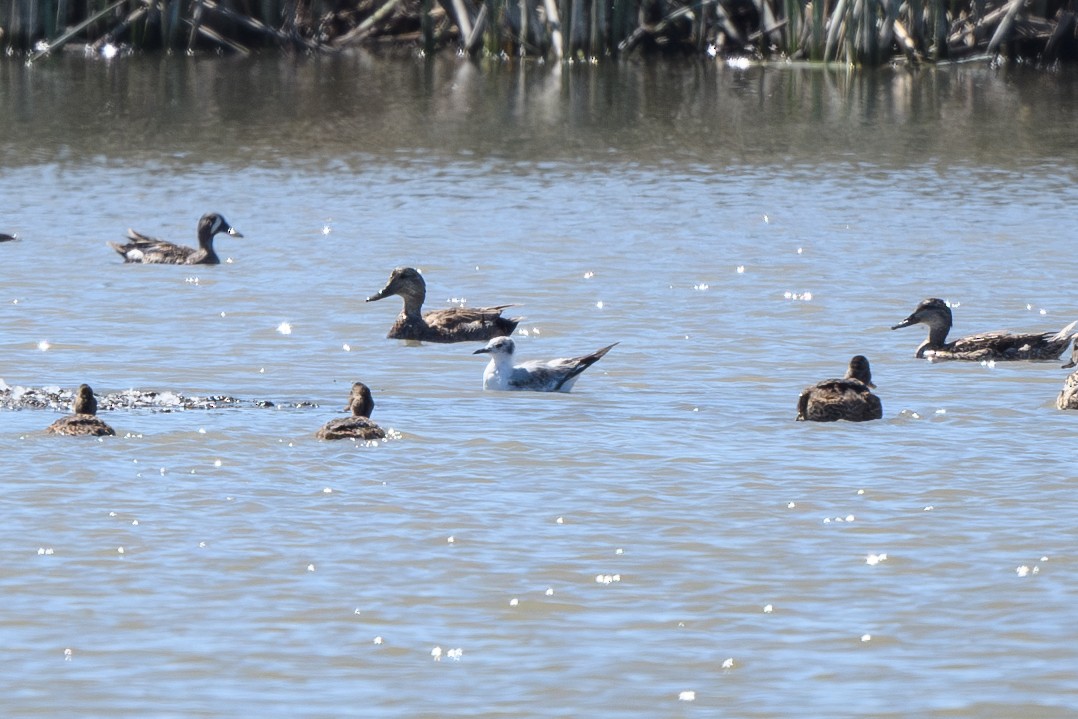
(556, 375)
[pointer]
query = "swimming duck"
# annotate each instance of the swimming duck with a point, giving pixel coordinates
(152, 251)
(1068, 396)
(849, 398)
(556, 375)
(935, 313)
(454, 324)
(84, 421)
(359, 425)
(6, 238)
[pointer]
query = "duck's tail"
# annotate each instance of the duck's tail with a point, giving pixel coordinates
(1067, 332)
(1066, 335)
(120, 249)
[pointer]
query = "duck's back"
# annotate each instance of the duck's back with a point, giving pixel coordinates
(351, 428)
(456, 324)
(148, 250)
(80, 424)
(1068, 396)
(1006, 346)
(835, 399)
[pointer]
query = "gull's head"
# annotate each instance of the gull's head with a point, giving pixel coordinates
(403, 281)
(498, 346)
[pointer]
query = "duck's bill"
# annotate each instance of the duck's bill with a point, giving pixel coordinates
(380, 295)
(234, 232)
(482, 350)
(1074, 358)
(905, 323)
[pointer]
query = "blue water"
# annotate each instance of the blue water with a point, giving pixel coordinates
(667, 527)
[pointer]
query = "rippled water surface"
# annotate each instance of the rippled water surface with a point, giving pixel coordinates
(663, 542)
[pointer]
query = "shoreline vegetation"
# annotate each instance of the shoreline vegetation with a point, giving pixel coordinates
(853, 32)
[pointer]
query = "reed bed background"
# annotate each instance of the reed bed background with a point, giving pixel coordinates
(857, 32)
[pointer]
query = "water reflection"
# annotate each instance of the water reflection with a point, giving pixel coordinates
(269, 110)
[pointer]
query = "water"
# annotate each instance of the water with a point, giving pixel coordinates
(592, 554)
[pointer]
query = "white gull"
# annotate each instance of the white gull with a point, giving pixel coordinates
(556, 375)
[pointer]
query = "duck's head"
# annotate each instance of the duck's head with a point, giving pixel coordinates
(84, 403)
(360, 401)
(933, 312)
(859, 370)
(1074, 357)
(498, 346)
(212, 224)
(403, 281)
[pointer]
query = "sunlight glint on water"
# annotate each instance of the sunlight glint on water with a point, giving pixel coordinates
(665, 540)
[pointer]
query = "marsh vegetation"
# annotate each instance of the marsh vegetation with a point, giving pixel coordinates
(856, 32)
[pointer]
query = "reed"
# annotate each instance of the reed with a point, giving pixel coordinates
(855, 32)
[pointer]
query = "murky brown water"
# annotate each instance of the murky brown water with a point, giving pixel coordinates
(742, 233)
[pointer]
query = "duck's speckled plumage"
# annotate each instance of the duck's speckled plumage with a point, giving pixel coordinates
(1068, 396)
(454, 324)
(556, 375)
(998, 346)
(152, 251)
(359, 425)
(84, 420)
(849, 398)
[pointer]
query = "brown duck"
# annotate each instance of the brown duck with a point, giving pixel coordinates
(359, 425)
(85, 420)
(152, 251)
(454, 324)
(935, 313)
(849, 398)
(1068, 396)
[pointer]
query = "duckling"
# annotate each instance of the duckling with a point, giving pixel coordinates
(84, 421)
(849, 398)
(359, 425)
(152, 251)
(556, 375)
(935, 313)
(454, 324)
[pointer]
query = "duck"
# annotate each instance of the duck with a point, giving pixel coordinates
(1068, 396)
(454, 324)
(849, 398)
(84, 421)
(6, 237)
(152, 251)
(359, 424)
(935, 313)
(556, 375)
